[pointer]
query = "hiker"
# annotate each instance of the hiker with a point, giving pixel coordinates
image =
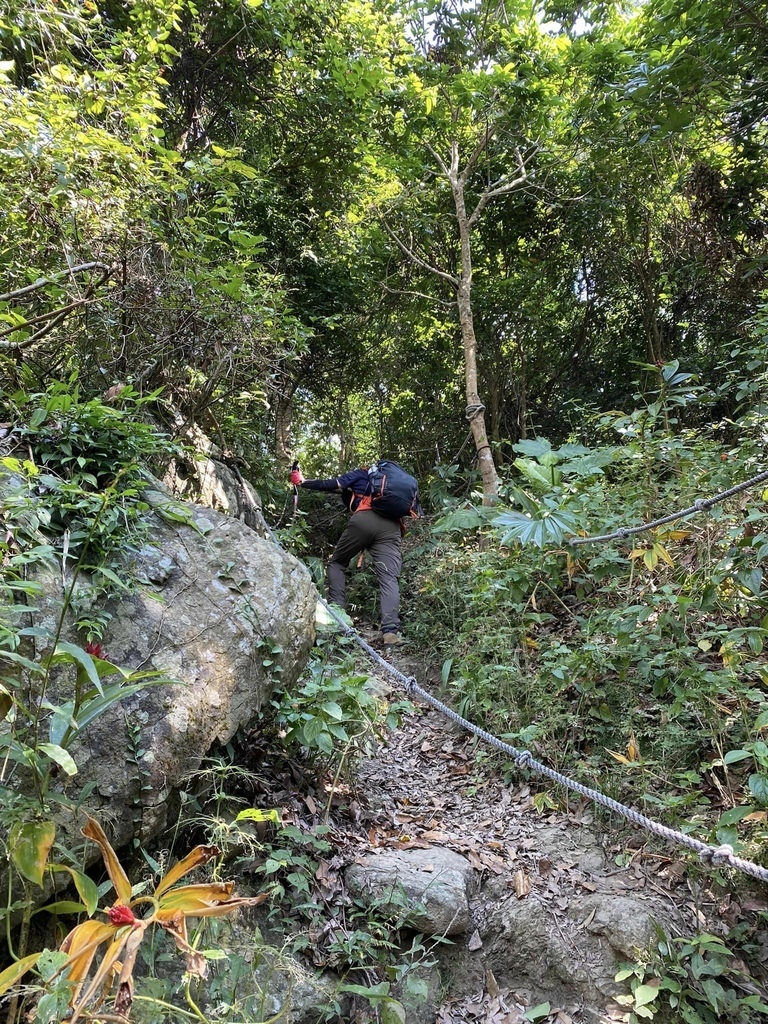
(379, 497)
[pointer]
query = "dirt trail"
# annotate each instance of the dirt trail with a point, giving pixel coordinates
(553, 875)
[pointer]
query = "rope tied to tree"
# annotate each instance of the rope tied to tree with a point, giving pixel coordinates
(473, 410)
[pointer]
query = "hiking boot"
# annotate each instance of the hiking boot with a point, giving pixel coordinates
(392, 640)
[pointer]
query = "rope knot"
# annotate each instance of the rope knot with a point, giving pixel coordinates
(523, 759)
(722, 855)
(409, 684)
(474, 410)
(621, 532)
(701, 505)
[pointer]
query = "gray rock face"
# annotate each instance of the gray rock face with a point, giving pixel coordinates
(209, 481)
(215, 603)
(581, 953)
(435, 883)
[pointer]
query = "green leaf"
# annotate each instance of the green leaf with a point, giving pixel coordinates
(537, 1012)
(86, 887)
(373, 993)
(30, 843)
(67, 652)
(734, 815)
(758, 787)
(332, 709)
(393, 1012)
(645, 994)
(543, 476)
(63, 907)
(254, 814)
(18, 659)
(61, 756)
(461, 520)
(734, 756)
(533, 446)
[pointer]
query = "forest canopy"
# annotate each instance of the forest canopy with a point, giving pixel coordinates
(262, 201)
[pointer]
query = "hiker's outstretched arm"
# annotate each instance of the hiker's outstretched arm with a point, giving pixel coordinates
(354, 480)
(322, 485)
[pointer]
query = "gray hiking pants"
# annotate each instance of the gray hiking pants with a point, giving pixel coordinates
(369, 531)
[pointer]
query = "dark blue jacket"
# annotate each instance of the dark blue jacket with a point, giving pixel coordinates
(354, 486)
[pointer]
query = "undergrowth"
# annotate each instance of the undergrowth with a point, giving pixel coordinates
(636, 666)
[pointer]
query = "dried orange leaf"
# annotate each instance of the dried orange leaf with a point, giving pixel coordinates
(94, 831)
(205, 892)
(200, 855)
(11, 974)
(619, 757)
(100, 977)
(81, 944)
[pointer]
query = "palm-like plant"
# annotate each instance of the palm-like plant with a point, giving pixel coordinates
(124, 931)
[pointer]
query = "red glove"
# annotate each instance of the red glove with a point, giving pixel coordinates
(296, 477)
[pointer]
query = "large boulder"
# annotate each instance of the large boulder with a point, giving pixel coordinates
(223, 614)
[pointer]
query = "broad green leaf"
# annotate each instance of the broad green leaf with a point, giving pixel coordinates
(461, 520)
(62, 719)
(543, 476)
(758, 787)
(534, 447)
(734, 815)
(733, 756)
(393, 1012)
(537, 1012)
(644, 994)
(86, 887)
(29, 844)
(67, 652)
(61, 756)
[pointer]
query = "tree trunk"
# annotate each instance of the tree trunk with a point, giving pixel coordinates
(284, 422)
(475, 411)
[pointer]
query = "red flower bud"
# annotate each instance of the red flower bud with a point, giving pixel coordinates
(93, 647)
(121, 915)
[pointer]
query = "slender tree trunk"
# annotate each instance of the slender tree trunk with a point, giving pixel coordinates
(475, 410)
(284, 423)
(522, 401)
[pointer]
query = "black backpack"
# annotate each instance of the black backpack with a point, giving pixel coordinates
(394, 493)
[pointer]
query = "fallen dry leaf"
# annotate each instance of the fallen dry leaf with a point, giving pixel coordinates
(522, 884)
(491, 985)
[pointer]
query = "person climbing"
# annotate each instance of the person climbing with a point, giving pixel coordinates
(379, 498)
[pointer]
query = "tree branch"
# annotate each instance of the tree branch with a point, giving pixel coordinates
(57, 316)
(49, 280)
(418, 295)
(501, 187)
(477, 152)
(417, 259)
